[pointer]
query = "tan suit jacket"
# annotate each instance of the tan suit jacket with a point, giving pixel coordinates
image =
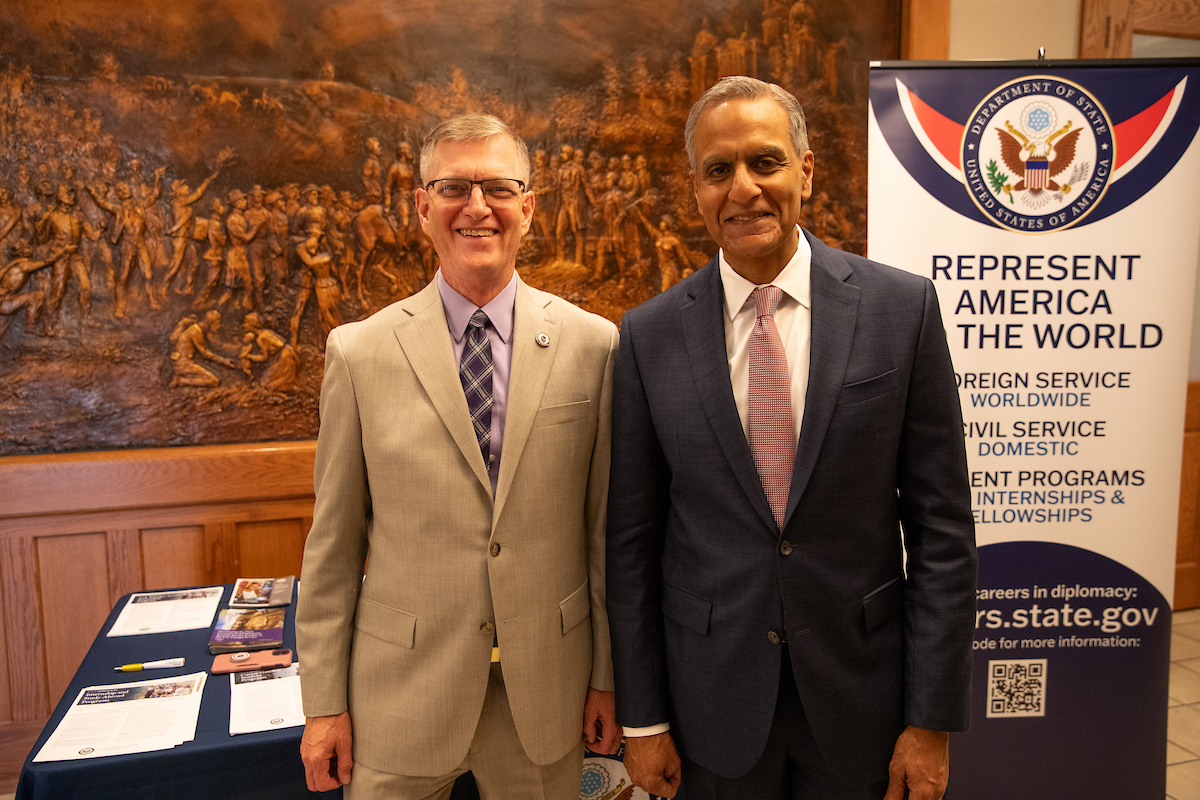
(399, 475)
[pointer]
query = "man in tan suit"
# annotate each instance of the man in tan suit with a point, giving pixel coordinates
(465, 445)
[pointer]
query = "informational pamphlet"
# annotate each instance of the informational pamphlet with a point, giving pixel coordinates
(123, 718)
(263, 700)
(163, 612)
(262, 592)
(247, 629)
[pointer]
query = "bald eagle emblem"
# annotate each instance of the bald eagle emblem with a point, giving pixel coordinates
(1037, 151)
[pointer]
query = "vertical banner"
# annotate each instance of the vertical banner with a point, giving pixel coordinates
(1056, 207)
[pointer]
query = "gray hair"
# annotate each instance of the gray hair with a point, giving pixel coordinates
(741, 87)
(473, 128)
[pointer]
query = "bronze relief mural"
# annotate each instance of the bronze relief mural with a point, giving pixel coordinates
(193, 194)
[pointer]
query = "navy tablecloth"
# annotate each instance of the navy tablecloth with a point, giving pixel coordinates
(249, 766)
(215, 764)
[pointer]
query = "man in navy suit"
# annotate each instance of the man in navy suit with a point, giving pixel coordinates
(786, 626)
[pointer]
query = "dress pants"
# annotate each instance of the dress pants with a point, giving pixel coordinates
(501, 769)
(791, 767)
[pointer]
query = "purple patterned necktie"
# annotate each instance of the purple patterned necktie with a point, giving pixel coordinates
(769, 404)
(475, 372)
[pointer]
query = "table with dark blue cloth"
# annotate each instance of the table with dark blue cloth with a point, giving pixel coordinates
(213, 765)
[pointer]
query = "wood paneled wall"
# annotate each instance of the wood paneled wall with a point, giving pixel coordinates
(79, 531)
(1187, 548)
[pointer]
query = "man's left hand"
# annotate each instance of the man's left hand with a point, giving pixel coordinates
(920, 762)
(601, 733)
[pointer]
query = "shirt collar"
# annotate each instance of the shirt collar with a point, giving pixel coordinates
(459, 309)
(793, 279)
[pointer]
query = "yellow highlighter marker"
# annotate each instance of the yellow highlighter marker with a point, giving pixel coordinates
(164, 664)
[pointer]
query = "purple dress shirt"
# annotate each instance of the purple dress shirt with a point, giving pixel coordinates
(500, 311)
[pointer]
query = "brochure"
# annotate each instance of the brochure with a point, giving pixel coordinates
(262, 592)
(247, 629)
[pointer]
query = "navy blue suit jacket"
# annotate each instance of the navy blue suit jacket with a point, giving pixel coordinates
(699, 574)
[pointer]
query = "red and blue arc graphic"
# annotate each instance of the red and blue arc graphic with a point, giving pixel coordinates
(925, 123)
(1135, 136)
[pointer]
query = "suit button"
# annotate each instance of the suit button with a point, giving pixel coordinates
(773, 637)
(487, 627)
(495, 548)
(785, 548)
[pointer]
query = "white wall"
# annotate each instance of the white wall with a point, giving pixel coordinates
(1015, 29)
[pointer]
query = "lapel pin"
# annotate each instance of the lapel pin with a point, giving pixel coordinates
(543, 340)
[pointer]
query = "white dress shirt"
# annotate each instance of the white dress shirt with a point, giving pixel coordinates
(793, 319)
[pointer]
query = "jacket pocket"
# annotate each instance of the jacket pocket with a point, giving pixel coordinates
(576, 608)
(567, 412)
(883, 603)
(386, 623)
(689, 610)
(870, 388)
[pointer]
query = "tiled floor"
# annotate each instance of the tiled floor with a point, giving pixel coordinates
(1183, 715)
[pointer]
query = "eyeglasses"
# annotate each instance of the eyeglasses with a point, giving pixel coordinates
(496, 189)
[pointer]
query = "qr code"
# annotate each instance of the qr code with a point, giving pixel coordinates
(1017, 688)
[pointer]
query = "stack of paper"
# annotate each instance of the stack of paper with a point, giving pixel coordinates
(262, 700)
(162, 612)
(127, 718)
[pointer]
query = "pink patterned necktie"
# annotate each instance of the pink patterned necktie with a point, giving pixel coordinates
(772, 430)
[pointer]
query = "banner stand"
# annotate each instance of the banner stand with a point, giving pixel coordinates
(1056, 208)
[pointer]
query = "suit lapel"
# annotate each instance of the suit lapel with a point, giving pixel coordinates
(531, 363)
(704, 331)
(834, 315)
(425, 338)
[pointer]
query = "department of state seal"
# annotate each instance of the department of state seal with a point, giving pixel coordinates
(1037, 154)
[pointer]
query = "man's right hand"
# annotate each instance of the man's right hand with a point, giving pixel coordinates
(653, 763)
(326, 739)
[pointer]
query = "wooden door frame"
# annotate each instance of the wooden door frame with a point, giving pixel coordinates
(1106, 27)
(925, 30)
